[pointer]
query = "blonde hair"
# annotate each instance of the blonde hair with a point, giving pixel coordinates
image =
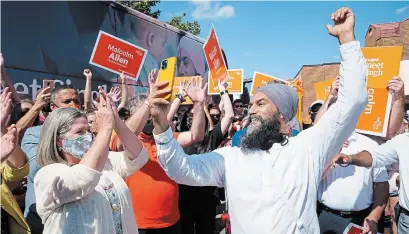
(57, 124)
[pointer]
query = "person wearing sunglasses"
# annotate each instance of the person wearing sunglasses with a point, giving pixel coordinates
(238, 107)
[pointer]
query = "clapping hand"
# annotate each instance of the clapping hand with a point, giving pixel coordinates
(105, 114)
(5, 105)
(197, 91)
(152, 77)
(9, 142)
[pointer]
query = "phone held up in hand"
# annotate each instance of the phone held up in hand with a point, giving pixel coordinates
(48, 83)
(167, 72)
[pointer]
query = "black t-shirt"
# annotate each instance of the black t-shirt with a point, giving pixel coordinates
(210, 143)
(189, 195)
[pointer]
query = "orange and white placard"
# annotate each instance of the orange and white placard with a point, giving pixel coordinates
(214, 58)
(322, 89)
(176, 88)
(260, 79)
(116, 55)
(234, 83)
(383, 64)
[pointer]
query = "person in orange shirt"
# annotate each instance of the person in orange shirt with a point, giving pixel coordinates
(154, 195)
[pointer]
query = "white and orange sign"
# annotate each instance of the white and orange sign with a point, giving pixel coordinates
(176, 88)
(322, 89)
(260, 79)
(214, 58)
(383, 64)
(116, 55)
(234, 83)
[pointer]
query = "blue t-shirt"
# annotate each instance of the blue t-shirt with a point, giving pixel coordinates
(235, 141)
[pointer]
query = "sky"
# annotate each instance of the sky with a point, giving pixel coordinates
(277, 38)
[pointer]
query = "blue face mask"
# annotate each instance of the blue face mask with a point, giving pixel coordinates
(77, 147)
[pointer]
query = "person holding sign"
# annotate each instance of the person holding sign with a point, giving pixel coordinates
(393, 151)
(272, 180)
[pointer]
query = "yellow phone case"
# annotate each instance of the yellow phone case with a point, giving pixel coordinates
(167, 72)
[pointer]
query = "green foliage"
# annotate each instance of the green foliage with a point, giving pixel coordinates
(143, 6)
(191, 27)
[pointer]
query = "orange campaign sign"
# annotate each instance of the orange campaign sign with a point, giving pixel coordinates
(260, 79)
(176, 88)
(322, 89)
(214, 59)
(383, 64)
(234, 83)
(116, 55)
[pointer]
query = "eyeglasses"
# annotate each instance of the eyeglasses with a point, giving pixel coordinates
(238, 106)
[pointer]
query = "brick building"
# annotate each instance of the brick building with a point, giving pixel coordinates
(311, 74)
(389, 34)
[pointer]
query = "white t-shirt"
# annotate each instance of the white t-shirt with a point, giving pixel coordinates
(351, 188)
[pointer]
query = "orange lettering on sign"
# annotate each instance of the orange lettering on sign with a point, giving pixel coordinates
(214, 59)
(234, 83)
(116, 55)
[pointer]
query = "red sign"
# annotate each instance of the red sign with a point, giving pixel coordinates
(214, 59)
(116, 55)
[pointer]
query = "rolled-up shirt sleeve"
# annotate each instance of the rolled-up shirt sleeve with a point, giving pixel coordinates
(58, 184)
(385, 154)
(325, 139)
(195, 170)
(125, 166)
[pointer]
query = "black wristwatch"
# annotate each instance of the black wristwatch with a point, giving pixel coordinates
(223, 92)
(180, 96)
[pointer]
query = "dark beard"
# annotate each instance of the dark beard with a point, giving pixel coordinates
(264, 136)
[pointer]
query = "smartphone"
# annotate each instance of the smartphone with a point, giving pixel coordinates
(48, 83)
(167, 72)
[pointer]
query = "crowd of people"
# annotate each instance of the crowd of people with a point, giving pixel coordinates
(155, 166)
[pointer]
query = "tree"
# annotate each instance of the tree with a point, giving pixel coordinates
(177, 21)
(143, 7)
(191, 27)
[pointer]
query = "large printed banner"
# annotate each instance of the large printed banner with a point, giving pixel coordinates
(117, 55)
(383, 64)
(234, 83)
(260, 79)
(214, 59)
(322, 89)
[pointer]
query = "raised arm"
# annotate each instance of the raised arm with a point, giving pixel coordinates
(88, 91)
(197, 93)
(228, 110)
(398, 106)
(138, 119)
(326, 138)
(6, 82)
(197, 170)
(324, 107)
(43, 98)
(180, 97)
(124, 88)
(380, 156)
(97, 155)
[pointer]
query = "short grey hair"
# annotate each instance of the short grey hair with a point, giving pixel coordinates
(137, 101)
(57, 124)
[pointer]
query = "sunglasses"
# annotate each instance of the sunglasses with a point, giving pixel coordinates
(215, 115)
(238, 106)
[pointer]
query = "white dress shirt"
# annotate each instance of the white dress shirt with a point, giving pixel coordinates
(351, 188)
(73, 200)
(395, 150)
(275, 191)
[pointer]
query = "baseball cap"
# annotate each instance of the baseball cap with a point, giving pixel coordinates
(315, 106)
